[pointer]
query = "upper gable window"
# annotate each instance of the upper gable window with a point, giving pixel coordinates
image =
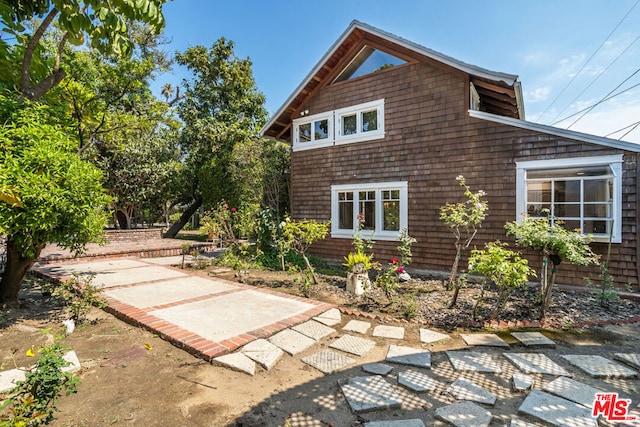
(368, 61)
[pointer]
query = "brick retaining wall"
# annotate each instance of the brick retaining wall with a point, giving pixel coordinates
(134, 235)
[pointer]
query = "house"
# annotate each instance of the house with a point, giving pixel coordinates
(383, 126)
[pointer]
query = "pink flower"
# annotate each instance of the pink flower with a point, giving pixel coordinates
(400, 270)
(394, 260)
(233, 209)
(225, 206)
(360, 217)
(478, 205)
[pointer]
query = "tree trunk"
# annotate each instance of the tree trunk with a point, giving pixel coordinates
(15, 270)
(186, 215)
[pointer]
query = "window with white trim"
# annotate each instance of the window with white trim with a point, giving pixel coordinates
(313, 131)
(380, 207)
(583, 193)
(363, 122)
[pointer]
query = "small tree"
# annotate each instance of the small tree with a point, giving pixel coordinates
(556, 244)
(300, 234)
(55, 196)
(505, 268)
(464, 220)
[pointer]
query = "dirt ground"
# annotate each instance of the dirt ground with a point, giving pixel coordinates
(130, 377)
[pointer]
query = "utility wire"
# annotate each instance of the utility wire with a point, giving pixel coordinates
(633, 126)
(603, 99)
(588, 60)
(597, 77)
(599, 102)
(631, 130)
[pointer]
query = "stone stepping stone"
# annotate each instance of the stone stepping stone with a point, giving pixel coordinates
(357, 326)
(472, 361)
(328, 361)
(428, 336)
(416, 381)
(237, 362)
(263, 353)
(330, 317)
(377, 368)
(534, 363)
(556, 410)
(370, 393)
(533, 339)
(487, 340)
(396, 423)
(409, 356)
(521, 382)
(313, 329)
(599, 367)
(631, 359)
(464, 414)
(384, 331)
(8, 379)
(573, 390)
(635, 412)
(464, 389)
(517, 422)
(291, 341)
(354, 345)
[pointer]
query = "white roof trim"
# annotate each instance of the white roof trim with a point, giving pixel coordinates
(564, 133)
(510, 79)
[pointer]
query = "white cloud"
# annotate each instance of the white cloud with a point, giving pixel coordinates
(602, 123)
(539, 94)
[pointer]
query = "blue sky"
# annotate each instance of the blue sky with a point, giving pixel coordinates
(545, 42)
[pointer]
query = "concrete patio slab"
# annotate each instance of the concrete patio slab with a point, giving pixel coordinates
(9, 378)
(396, 423)
(92, 267)
(428, 336)
(533, 339)
(631, 359)
(464, 389)
(313, 329)
(409, 356)
(556, 410)
(225, 316)
(599, 367)
(263, 353)
(377, 368)
(357, 326)
(128, 276)
(328, 361)
(517, 422)
(237, 362)
(370, 393)
(536, 363)
(384, 331)
(521, 383)
(291, 341)
(416, 381)
(489, 340)
(170, 291)
(353, 345)
(573, 390)
(330, 317)
(464, 414)
(473, 361)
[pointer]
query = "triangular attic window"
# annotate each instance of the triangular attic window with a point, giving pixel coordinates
(368, 61)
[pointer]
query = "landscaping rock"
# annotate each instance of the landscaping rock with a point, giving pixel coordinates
(464, 414)
(371, 393)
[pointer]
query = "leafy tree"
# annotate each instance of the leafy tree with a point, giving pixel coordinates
(57, 197)
(555, 244)
(505, 268)
(104, 25)
(464, 220)
(222, 113)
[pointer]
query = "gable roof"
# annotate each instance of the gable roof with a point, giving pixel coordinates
(502, 91)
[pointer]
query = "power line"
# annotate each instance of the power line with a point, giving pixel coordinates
(597, 77)
(631, 130)
(633, 126)
(588, 60)
(599, 102)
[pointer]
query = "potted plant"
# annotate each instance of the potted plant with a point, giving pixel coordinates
(358, 265)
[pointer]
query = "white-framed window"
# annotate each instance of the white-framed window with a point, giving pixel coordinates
(382, 208)
(584, 193)
(313, 131)
(361, 122)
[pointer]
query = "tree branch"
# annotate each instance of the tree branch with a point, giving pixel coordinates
(30, 50)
